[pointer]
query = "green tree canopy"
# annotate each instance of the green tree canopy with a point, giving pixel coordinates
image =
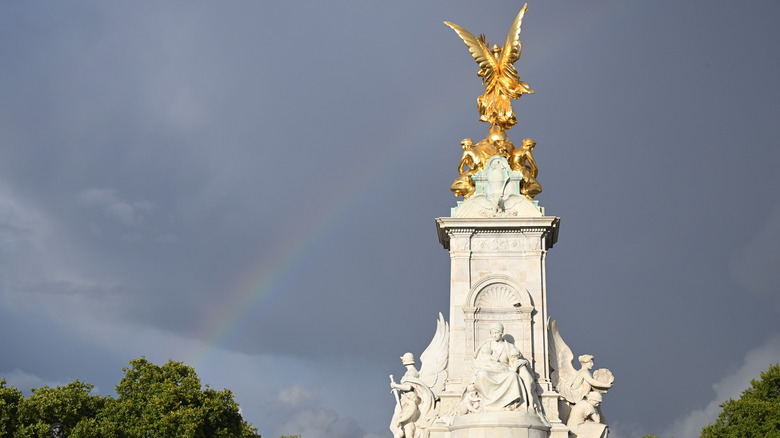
(755, 414)
(153, 401)
(10, 400)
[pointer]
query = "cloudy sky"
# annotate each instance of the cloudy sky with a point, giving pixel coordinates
(250, 187)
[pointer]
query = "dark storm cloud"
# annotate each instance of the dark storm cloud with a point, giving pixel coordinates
(152, 155)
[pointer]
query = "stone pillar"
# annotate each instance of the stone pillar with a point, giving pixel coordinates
(497, 275)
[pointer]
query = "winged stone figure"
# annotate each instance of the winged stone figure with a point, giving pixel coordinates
(574, 385)
(417, 403)
(499, 75)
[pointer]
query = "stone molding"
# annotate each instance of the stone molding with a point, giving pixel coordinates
(545, 227)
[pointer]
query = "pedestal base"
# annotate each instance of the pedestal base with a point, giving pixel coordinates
(499, 425)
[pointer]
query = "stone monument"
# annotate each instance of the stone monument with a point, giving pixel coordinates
(499, 367)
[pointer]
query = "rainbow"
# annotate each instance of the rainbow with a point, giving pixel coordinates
(263, 284)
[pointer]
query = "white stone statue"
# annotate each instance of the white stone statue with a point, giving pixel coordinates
(415, 407)
(574, 385)
(471, 403)
(584, 419)
(501, 376)
(417, 392)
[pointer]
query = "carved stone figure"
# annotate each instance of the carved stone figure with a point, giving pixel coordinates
(415, 408)
(578, 385)
(407, 412)
(501, 375)
(584, 419)
(574, 385)
(499, 75)
(57, 430)
(471, 402)
(416, 393)
(522, 160)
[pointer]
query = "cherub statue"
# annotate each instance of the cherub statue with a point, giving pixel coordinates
(574, 385)
(470, 163)
(522, 160)
(584, 419)
(417, 402)
(498, 73)
(471, 403)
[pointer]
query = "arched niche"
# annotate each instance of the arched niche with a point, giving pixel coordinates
(498, 298)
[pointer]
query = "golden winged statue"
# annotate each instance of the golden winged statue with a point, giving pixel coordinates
(498, 73)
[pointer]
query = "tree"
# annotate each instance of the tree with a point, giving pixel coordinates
(755, 414)
(168, 401)
(68, 404)
(10, 399)
(153, 401)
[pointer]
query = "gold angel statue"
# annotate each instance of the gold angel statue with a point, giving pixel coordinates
(498, 73)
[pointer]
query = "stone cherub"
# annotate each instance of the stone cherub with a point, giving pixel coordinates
(471, 403)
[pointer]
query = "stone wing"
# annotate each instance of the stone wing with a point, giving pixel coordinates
(560, 356)
(433, 370)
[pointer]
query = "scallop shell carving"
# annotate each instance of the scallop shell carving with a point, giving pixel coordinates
(497, 295)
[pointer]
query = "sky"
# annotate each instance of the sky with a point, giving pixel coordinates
(250, 187)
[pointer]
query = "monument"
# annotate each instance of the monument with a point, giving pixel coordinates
(499, 367)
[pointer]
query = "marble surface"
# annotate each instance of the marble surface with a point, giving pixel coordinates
(497, 357)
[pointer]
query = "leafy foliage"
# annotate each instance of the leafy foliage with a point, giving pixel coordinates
(153, 401)
(65, 404)
(755, 414)
(10, 400)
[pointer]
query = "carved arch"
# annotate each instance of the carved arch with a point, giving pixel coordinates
(498, 287)
(499, 298)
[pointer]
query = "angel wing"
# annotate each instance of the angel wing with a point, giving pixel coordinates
(434, 359)
(479, 51)
(560, 356)
(513, 47)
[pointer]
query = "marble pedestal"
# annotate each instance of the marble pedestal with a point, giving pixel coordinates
(498, 425)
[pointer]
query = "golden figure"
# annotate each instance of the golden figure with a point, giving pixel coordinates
(470, 159)
(475, 156)
(471, 162)
(496, 143)
(498, 73)
(522, 160)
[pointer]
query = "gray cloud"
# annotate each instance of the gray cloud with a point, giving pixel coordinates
(252, 187)
(131, 213)
(755, 265)
(731, 386)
